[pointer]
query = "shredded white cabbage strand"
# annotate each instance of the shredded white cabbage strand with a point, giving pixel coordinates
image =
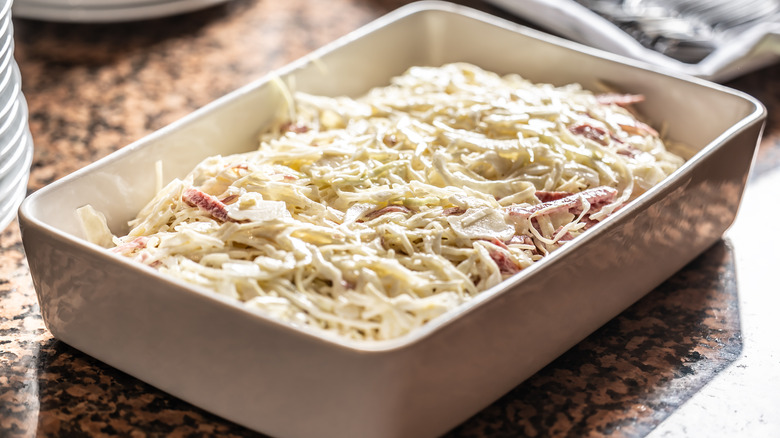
(370, 217)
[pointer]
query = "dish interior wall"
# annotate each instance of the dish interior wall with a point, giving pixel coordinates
(120, 185)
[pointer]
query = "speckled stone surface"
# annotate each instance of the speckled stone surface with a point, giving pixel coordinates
(95, 88)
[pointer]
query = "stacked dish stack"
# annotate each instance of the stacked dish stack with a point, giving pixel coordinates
(16, 148)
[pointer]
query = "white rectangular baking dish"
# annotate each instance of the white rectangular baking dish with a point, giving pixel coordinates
(289, 382)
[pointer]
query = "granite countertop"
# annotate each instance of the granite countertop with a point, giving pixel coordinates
(695, 357)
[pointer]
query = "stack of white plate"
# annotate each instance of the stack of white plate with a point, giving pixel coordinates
(16, 147)
(95, 11)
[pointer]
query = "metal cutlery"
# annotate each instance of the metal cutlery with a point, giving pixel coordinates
(687, 30)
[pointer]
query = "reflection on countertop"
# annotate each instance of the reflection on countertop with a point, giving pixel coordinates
(94, 88)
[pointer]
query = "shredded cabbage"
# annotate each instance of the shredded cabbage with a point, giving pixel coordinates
(369, 217)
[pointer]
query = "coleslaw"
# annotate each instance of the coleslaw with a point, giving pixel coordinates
(369, 217)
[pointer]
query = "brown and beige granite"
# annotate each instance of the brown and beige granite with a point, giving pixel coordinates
(95, 88)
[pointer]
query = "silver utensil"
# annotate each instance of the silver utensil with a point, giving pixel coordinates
(687, 30)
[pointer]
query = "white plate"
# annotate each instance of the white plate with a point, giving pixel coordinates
(5, 9)
(15, 150)
(95, 4)
(21, 170)
(13, 187)
(10, 80)
(9, 93)
(126, 11)
(6, 34)
(10, 127)
(12, 135)
(8, 206)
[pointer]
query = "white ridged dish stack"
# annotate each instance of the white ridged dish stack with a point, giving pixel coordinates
(16, 146)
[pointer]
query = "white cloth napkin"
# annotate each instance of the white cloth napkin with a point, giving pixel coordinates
(747, 51)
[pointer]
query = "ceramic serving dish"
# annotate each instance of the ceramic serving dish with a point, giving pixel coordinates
(291, 382)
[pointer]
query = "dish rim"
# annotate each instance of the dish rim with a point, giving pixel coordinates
(430, 328)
